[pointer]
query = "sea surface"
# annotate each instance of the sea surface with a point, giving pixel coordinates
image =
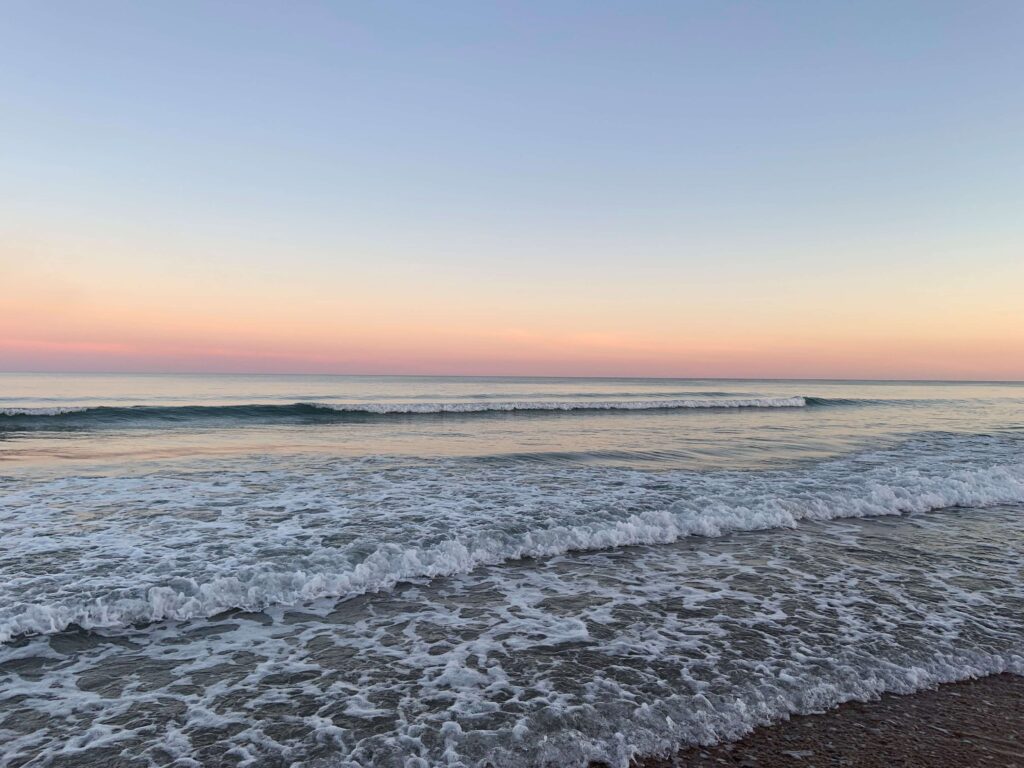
(398, 571)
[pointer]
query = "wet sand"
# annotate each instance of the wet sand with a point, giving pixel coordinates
(972, 723)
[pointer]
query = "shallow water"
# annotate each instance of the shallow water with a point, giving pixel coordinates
(416, 571)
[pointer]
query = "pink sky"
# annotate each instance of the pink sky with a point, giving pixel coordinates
(82, 305)
(670, 191)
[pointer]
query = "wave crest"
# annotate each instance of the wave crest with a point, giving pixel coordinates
(55, 411)
(564, 405)
(101, 416)
(259, 585)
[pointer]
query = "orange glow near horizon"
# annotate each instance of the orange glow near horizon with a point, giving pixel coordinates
(689, 190)
(73, 311)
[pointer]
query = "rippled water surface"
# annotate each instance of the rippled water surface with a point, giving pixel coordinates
(325, 571)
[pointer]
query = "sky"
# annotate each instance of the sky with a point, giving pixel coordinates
(739, 189)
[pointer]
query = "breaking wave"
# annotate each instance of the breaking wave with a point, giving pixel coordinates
(566, 405)
(709, 508)
(107, 415)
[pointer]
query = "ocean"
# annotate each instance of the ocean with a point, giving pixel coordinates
(417, 571)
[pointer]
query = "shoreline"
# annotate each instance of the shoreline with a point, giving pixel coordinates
(977, 722)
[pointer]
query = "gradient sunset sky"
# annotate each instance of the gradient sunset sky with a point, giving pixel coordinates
(783, 189)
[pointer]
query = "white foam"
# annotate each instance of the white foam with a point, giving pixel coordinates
(42, 411)
(221, 545)
(565, 405)
(556, 662)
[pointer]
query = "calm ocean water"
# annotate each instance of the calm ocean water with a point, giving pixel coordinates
(333, 571)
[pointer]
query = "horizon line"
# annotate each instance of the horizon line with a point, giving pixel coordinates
(511, 376)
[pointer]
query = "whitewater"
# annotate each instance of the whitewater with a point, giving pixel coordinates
(43, 417)
(416, 571)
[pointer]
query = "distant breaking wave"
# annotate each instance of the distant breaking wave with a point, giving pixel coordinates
(59, 411)
(99, 416)
(566, 405)
(113, 415)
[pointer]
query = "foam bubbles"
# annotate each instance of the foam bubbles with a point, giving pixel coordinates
(43, 411)
(193, 544)
(591, 656)
(566, 405)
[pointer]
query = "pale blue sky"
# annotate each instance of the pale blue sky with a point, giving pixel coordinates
(667, 123)
(578, 140)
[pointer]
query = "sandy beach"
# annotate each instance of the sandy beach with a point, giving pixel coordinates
(971, 723)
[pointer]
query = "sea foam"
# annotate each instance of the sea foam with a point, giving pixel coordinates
(345, 529)
(43, 411)
(565, 405)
